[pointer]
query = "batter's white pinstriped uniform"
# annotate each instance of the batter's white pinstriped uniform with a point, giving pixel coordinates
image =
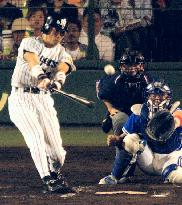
(34, 113)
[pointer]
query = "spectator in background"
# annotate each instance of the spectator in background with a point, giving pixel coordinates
(158, 27)
(81, 4)
(37, 4)
(110, 17)
(75, 2)
(134, 29)
(72, 45)
(36, 17)
(60, 9)
(8, 12)
(169, 30)
(20, 29)
(103, 43)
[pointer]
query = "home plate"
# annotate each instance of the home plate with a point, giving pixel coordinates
(121, 192)
(68, 195)
(161, 194)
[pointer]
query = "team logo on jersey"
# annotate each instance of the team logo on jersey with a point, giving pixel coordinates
(133, 85)
(48, 62)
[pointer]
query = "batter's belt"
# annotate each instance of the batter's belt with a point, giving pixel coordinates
(33, 90)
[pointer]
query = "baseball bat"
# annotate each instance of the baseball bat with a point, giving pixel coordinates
(76, 98)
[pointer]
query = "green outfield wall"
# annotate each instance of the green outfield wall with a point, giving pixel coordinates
(82, 82)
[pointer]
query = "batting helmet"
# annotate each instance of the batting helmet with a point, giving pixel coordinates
(53, 22)
(161, 126)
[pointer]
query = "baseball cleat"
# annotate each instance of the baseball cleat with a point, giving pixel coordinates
(110, 179)
(52, 185)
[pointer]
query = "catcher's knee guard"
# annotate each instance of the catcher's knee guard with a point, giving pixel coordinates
(118, 121)
(172, 174)
(133, 144)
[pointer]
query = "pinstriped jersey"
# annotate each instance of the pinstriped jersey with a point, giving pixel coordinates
(49, 59)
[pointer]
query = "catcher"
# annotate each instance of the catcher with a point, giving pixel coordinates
(151, 137)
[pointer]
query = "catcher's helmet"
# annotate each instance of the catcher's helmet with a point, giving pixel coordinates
(54, 22)
(161, 126)
(158, 97)
(132, 61)
(158, 87)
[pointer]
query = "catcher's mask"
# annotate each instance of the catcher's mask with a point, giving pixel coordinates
(158, 96)
(132, 63)
(161, 126)
(59, 24)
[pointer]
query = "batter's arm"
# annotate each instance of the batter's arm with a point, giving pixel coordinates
(31, 58)
(36, 70)
(60, 76)
(63, 67)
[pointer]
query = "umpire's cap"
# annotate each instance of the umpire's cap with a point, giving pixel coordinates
(54, 22)
(132, 57)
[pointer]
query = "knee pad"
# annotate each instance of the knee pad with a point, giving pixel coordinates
(132, 144)
(172, 174)
(119, 118)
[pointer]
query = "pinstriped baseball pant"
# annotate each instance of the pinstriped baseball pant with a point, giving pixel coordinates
(36, 118)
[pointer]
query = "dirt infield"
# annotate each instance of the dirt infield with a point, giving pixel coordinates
(84, 166)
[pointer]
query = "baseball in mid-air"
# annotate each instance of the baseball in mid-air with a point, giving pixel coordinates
(109, 69)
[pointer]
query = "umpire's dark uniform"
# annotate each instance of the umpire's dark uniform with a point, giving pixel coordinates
(122, 91)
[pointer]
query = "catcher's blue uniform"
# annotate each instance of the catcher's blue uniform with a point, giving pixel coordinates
(137, 124)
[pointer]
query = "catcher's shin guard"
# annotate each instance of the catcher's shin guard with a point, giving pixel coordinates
(133, 144)
(124, 164)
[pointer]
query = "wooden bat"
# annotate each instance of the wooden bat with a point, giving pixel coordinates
(76, 98)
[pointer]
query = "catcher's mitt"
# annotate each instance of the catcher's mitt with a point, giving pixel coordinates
(161, 126)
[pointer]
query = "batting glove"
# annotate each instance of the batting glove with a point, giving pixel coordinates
(55, 85)
(44, 83)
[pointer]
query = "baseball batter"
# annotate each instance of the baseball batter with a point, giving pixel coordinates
(42, 64)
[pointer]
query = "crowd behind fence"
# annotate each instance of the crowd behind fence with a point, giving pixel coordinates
(98, 29)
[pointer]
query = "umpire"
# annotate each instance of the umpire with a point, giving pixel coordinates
(121, 90)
